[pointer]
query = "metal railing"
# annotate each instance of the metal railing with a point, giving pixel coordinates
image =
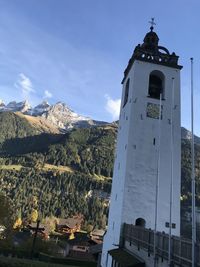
(142, 238)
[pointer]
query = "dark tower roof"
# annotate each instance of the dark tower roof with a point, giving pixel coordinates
(150, 51)
(150, 41)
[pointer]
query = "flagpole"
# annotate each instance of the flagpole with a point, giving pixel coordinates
(157, 179)
(172, 176)
(192, 172)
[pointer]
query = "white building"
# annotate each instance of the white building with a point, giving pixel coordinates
(151, 87)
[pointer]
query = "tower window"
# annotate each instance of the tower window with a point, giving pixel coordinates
(156, 85)
(126, 92)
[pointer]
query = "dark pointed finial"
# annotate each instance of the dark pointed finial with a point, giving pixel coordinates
(152, 24)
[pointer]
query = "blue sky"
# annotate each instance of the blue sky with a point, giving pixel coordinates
(75, 51)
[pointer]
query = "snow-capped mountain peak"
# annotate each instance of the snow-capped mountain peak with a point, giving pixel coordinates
(58, 115)
(23, 106)
(62, 116)
(41, 108)
(2, 105)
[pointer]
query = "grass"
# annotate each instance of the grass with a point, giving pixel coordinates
(101, 177)
(46, 167)
(57, 168)
(15, 262)
(11, 167)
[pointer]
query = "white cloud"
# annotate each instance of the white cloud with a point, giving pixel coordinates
(47, 94)
(113, 106)
(25, 84)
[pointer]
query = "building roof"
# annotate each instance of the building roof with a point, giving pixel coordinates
(150, 51)
(21, 236)
(70, 222)
(44, 228)
(96, 249)
(34, 225)
(98, 232)
(125, 259)
(80, 239)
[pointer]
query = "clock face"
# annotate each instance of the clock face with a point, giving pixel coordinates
(153, 111)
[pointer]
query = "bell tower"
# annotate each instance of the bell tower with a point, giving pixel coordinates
(146, 181)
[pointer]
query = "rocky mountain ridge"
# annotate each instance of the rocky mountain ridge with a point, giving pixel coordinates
(187, 135)
(60, 118)
(59, 115)
(14, 106)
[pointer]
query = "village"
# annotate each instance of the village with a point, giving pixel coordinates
(61, 238)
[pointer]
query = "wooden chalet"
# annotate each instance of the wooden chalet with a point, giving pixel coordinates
(79, 247)
(69, 225)
(43, 230)
(97, 235)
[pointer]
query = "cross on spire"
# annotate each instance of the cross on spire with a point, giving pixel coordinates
(152, 24)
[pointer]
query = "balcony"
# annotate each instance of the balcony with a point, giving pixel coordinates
(142, 238)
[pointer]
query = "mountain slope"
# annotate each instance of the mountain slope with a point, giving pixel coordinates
(13, 126)
(36, 158)
(186, 135)
(87, 150)
(40, 124)
(89, 155)
(59, 116)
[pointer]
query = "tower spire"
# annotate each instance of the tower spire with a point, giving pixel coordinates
(152, 24)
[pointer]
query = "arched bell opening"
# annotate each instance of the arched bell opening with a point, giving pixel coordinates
(156, 85)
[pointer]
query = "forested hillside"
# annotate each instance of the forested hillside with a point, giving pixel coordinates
(58, 174)
(186, 173)
(13, 126)
(66, 174)
(53, 193)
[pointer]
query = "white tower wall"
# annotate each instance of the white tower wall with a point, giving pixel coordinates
(133, 193)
